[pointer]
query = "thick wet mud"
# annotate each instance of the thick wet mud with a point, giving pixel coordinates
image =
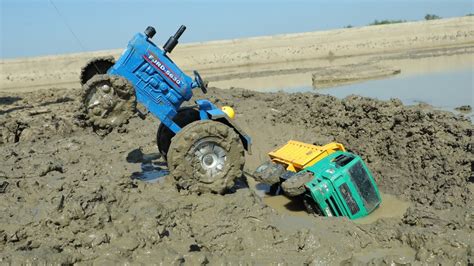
(69, 195)
(390, 208)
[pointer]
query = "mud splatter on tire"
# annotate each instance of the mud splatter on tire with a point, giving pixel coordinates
(190, 171)
(164, 135)
(108, 102)
(96, 66)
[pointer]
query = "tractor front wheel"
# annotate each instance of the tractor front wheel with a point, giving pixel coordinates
(206, 156)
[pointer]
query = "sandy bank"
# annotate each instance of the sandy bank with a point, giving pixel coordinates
(281, 60)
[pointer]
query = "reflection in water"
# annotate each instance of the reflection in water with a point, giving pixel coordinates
(151, 173)
(153, 170)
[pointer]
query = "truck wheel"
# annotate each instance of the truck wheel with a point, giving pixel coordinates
(269, 173)
(206, 156)
(96, 66)
(311, 206)
(107, 102)
(164, 135)
(294, 186)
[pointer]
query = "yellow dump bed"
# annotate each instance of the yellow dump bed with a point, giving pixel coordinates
(297, 155)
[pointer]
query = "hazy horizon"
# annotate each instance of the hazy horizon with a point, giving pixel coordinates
(35, 28)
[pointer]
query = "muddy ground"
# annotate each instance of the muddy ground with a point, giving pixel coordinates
(67, 194)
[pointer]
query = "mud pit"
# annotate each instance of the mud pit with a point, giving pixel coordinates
(67, 194)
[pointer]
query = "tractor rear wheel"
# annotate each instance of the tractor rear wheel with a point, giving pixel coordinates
(294, 186)
(107, 102)
(206, 156)
(164, 135)
(96, 66)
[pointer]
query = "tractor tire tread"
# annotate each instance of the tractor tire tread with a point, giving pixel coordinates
(94, 66)
(185, 170)
(124, 91)
(185, 116)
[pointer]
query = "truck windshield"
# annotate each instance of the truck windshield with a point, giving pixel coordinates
(360, 178)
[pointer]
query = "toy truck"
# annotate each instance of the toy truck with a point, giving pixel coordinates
(334, 182)
(294, 156)
(204, 148)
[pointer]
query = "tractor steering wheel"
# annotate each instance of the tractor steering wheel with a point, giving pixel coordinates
(200, 82)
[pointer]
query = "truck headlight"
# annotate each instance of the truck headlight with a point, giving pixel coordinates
(328, 212)
(325, 187)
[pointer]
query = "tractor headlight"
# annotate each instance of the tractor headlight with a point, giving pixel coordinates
(229, 111)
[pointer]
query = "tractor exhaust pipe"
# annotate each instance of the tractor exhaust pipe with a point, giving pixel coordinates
(173, 40)
(150, 32)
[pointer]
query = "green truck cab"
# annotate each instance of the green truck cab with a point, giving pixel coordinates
(342, 185)
(329, 180)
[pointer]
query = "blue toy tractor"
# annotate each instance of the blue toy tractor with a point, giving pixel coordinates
(204, 148)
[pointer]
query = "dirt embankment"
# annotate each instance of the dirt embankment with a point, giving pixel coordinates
(67, 193)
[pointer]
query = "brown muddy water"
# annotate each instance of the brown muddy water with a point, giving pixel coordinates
(391, 207)
(444, 90)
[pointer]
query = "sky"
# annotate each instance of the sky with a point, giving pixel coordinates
(47, 27)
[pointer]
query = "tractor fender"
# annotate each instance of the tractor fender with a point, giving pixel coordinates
(209, 111)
